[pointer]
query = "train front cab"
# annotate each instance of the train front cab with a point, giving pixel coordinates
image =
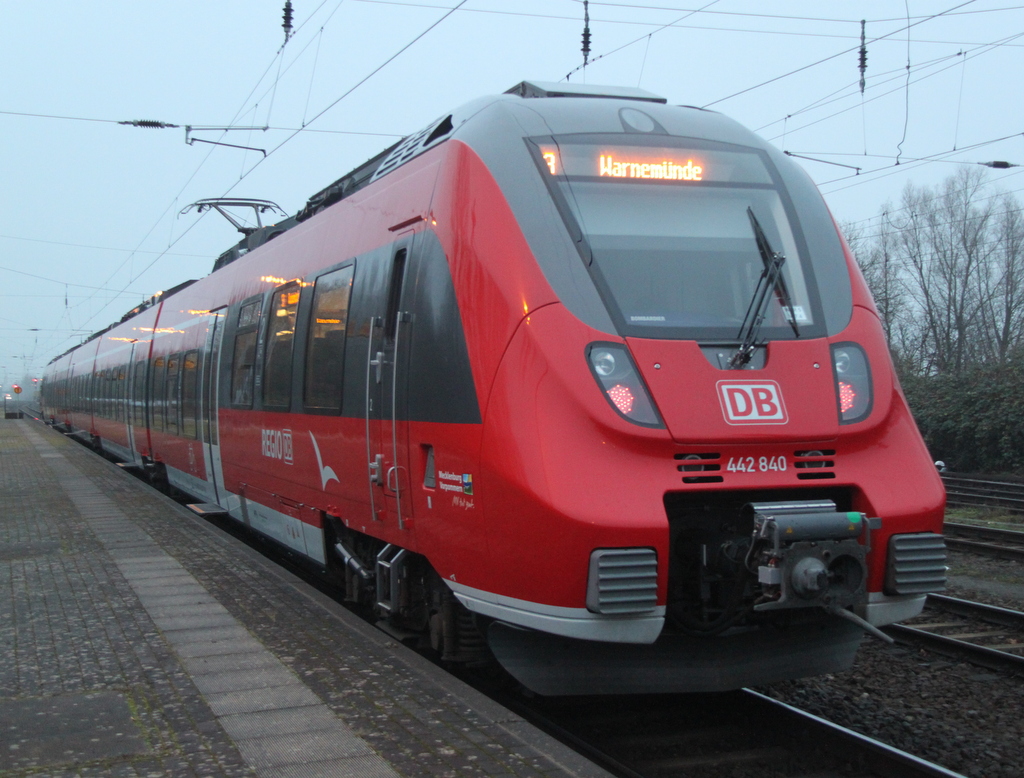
(670, 517)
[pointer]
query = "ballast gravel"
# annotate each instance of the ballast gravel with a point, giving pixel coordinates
(963, 717)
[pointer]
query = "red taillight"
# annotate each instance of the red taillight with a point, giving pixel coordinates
(622, 397)
(847, 397)
(853, 382)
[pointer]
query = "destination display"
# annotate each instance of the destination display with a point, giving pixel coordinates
(650, 164)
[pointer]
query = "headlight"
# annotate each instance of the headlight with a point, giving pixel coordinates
(604, 362)
(853, 382)
(623, 388)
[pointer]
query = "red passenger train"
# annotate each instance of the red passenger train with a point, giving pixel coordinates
(571, 377)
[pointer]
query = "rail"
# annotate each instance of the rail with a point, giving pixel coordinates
(982, 634)
(686, 735)
(969, 490)
(987, 541)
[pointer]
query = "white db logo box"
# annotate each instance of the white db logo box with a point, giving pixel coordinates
(752, 402)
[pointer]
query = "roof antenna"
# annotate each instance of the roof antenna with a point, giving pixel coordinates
(287, 20)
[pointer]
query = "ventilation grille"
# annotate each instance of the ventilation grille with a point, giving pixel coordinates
(413, 145)
(622, 581)
(699, 463)
(814, 465)
(917, 564)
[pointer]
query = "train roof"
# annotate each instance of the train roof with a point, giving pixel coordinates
(536, 108)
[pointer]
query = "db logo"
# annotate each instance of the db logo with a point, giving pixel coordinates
(752, 402)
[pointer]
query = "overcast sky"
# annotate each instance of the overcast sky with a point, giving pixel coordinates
(89, 209)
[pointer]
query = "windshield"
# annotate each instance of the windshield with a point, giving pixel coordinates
(669, 239)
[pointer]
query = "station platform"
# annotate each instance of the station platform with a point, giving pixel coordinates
(138, 640)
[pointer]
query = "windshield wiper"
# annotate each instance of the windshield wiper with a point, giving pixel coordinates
(771, 280)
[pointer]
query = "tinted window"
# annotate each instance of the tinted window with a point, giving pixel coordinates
(245, 354)
(277, 374)
(171, 403)
(325, 350)
(156, 394)
(189, 393)
(670, 237)
(139, 386)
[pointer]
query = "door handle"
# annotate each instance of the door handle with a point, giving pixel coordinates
(378, 363)
(393, 471)
(375, 467)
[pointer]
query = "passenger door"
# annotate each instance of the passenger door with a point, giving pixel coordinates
(208, 394)
(386, 436)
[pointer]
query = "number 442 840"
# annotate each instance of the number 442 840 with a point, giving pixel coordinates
(756, 464)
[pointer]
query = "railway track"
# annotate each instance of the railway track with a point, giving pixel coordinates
(966, 490)
(1000, 543)
(741, 733)
(985, 635)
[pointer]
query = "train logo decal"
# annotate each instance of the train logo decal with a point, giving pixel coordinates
(326, 473)
(277, 444)
(752, 402)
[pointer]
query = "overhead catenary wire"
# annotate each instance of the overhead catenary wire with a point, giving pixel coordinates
(296, 132)
(637, 40)
(906, 112)
(134, 277)
(635, 7)
(988, 47)
(596, 12)
(351, 89)
(832, 56)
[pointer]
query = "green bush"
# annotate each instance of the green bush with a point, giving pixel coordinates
(973, 420)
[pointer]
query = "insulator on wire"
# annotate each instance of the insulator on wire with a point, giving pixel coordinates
(287, 20)
(148, 123)
(586, 32)
(863, 56)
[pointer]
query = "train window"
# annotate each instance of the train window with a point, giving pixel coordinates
(277, 371)
(669, 236)
(394, 296)
(139, 391)
(244, 358)
(156, 394)
(171, 389)
(106, 394)
(122, 393)
(189, 394)
(249, 315)
(100, 384)
(325, 349)
(241, 370)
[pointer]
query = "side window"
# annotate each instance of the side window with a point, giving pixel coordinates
(277, 371)
(189, 393)
(245, 353)
(325, 349)
(122, 394)
(139, 388)
(99, 381)
(171, 389)
(156, 394)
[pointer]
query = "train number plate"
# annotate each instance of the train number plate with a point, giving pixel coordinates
(756, 465)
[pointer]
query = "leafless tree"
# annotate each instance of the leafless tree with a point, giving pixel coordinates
(946, 268)
(942, 245)
(1003, 286)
